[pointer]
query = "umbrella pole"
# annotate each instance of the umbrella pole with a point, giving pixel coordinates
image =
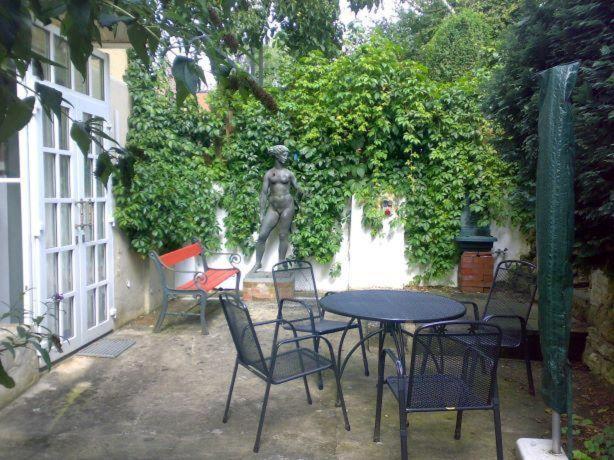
(556, 433)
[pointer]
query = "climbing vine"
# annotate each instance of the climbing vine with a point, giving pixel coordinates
(368, 124)
(165, 194)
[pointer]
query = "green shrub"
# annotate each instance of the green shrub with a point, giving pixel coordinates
(369, 124)
(554, 32)
(462, 43)
(165, 197)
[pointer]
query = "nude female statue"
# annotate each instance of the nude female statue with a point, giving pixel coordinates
(276, 188)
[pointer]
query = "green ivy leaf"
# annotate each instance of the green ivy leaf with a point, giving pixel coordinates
(80, 134)
(17, 115)
(51, 99)
(104, 168)
(137, 35)
(186, 75)
(78, 27)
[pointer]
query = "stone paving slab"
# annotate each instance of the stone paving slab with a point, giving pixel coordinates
(164, 398)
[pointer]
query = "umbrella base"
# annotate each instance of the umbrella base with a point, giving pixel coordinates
(537, 449)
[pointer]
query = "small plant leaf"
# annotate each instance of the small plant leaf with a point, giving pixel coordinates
(5, 379)
(44, 353)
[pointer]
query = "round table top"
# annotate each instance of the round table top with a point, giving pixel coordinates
(393, 306)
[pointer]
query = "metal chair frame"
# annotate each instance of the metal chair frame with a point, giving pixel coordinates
(267, 372)
(404, 382)
(312, 317)
(522, 319)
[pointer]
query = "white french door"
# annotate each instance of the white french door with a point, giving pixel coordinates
(75, 239)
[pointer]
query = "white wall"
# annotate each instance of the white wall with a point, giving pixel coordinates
(368, 262)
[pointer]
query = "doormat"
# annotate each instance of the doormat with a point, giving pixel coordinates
(107, 348)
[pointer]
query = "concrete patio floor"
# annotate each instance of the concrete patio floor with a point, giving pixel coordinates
(164, 398)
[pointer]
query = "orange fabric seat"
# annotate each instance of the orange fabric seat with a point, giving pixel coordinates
(214, 277)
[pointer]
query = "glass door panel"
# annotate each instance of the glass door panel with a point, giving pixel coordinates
(59, 204)
(76, 239)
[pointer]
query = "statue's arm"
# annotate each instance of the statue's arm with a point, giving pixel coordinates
(264, 195)
(294, 183)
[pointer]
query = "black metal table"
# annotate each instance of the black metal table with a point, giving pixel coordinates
(391, 309)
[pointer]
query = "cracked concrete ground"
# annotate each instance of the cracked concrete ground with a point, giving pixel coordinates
(164, 398)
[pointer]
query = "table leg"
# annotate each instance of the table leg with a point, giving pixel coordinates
(341, 366)
(380, 383)
(353, 349)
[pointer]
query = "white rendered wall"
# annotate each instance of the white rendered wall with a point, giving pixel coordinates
(366, 262)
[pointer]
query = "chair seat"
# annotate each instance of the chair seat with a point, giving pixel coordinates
(214, 277)
(438, 391)
(322, 326)
(510, 338)
(296, 362)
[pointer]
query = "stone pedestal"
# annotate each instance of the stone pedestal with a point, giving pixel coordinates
(259, 286)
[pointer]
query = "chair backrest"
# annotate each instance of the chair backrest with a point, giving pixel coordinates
(455, 367)
(242, 331)
(295, 277)
(513, 290)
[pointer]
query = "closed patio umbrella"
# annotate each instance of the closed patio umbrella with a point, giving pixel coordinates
(555, 236)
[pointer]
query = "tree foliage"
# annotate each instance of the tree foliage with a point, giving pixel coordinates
(224, 31)
(550, 33)
(419, 21)
(372, 125)
(462, 43)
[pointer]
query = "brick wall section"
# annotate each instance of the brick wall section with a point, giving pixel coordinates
(475, 272)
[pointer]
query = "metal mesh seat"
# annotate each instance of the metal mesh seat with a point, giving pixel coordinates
(289, 359)
(453, 367)
(509, 305)
(299, 304)
(295, 362)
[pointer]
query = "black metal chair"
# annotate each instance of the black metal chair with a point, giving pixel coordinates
(449, 370)
(288, 359)
(509, 305)
(299, 304)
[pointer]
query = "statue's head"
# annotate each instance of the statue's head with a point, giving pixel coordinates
(280, 152)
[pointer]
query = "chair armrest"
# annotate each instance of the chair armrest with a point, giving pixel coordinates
(476, 311)
(399, 365)
(233, 257)
(523, 323)
(200, 278)
(283, 302)
(276, 321)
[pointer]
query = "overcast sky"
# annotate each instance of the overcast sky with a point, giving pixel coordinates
(386, 11)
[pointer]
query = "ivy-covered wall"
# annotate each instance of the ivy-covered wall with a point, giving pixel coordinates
(368, 124)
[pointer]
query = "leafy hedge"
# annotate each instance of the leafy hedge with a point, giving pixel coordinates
(462, 43)
(369, 124)
(166, 196)
(553, 32)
